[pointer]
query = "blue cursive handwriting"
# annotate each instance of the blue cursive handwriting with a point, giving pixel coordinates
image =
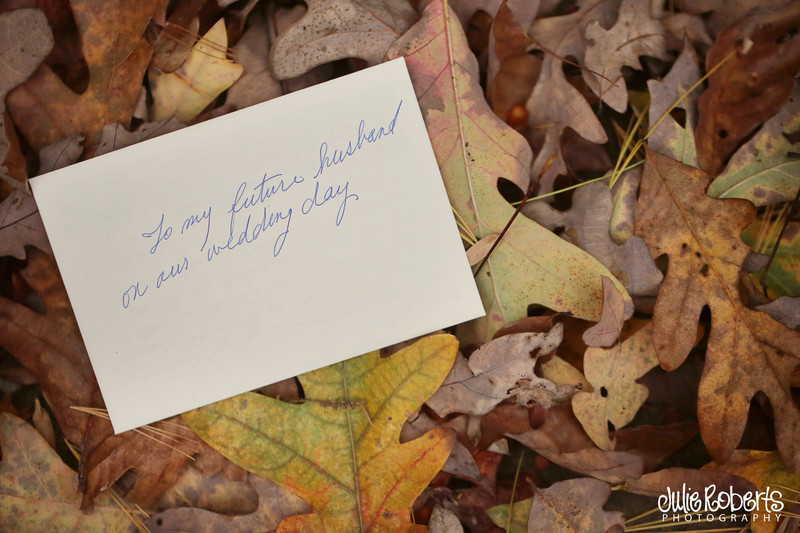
(162, 235)
(173, 272)
(261, 192)
(137, 291)
(191, 220)
(339, 155)
(248, 235)
(329, 194)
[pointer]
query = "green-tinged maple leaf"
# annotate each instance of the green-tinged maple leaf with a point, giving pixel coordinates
(207, 72)
(747, 350)
(474, 149)
(46, 110)
(38, 492)
(762, 170)
(339, 450)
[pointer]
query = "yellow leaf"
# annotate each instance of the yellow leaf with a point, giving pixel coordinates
(207, 72)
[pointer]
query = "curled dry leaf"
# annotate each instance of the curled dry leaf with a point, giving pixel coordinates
(762, 170)
(38, 491)
(21, 225)
(617, 396)
(207, 72)
(340, 451)
(46, 110)
(274, 505)
(751, 86)
(669, 137)
(747, 350)
(474, 149)
(337, 29)
(587, 224)
(477, 385)
(634, 34)
(573, 505)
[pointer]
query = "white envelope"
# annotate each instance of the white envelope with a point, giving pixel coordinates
(259, 245)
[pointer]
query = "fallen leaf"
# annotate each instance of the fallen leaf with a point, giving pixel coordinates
(656, 483)
(61, 154)
(21, 225)
(46, 110)
(460, 463)
(176, 37)
(38, 491)
(785, 310)
(573, 505)
(477, 385)
(252, 52)
(25, 40)
(555, 104)
(634, 34)
(783, 276)
(115, 136)
(762, 170)
(747, 350)
(607, 331)
(274, 505)
(587, 224)
(671, 138)
(213, 493)
(207, 72)
(336, 29)
(444, 521)
(751, 86)
(339, 451)
(474, 149)
(520, 514)
(49, 345)
(512, 71)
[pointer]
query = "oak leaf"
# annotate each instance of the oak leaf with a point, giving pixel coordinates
(654, 484)
(115, 136)
(607, 331)
(339, 451)
(762, 170)
(207, 72)
(38, 491)
(474, 148)
(783, 276)
(257, 83)
(21, 225)
(751, 86)
(785, 310)
(337, 29)
(747, 350)
(46, 110)
(634, 34)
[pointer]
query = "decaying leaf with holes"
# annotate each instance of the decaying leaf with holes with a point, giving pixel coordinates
(474, 149)
(46, 110)
(747, 350)
(340, 451)
(207, 72)
(762, 170)
(38, 492)
(337, 29)
(751, 86)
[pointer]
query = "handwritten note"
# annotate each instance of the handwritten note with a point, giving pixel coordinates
(259, 245)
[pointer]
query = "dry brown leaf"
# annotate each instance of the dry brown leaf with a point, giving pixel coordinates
(61, 154)
(554, 103)
(337, 29)
(634, 34)
(252, 52)
(574, 505)
(587, 224)
(669, 137)
(214, 493)
(177, 35)
(477, 385)
(46, 110)
(747, 350)
(115, 136)
(616, 396)
(460, 463)
(785, 310)
(444, 521)
(751, 86)
(607, 331)
(512, 71)
(21, 225)
(656, 483)
(274, 504)
(25, 40)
